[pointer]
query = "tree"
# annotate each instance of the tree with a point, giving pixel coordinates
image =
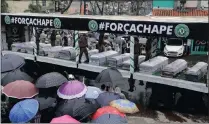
(4, 6)
(34, 8)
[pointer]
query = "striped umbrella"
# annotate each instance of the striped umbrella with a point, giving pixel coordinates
(124, 106)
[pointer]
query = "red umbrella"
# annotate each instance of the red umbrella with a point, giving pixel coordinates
(107, 110)
(20, 89)
(65, 119)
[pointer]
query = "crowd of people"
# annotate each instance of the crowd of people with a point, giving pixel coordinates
(29, 99)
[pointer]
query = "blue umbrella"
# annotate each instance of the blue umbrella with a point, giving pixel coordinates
(110, 119)
(92, 92)
(105, 98)
(24, 111)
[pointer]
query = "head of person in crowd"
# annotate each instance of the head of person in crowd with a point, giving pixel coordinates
(107, 88)
(103, 87)
(71, 77)
(118, 91)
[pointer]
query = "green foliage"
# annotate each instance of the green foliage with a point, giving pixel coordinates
(4, 6)
(34, 8)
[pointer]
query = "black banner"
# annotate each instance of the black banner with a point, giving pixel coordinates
(162, 29)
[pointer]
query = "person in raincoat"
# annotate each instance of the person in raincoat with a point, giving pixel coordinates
(83, 44)
(100, 46)
(42, 37)
(118, 91)
(65, 41)
(137, 52)
(53, 38)
(148, 48)
(58, 39)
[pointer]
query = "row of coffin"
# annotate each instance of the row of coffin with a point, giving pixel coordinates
(114, 59)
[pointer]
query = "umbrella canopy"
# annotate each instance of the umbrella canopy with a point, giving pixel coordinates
(46, 102)
(10, 62)
(72, 89)
(113, 77)
(50, 80)
(20, 89)
(107, 110)
(105, 98)
(92, 92)
(24, 111)
(125, 106)
(4, 74)
(65, 119)
(66, 107)
(83, 109)
(110, 119)
(15, 75)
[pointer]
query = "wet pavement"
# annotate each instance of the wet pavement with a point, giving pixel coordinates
(154, 116)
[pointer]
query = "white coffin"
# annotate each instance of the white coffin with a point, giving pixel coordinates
(54, 51)
(174, 68)
(67, 53)
(16, 47)
(90, 53)
(118, 60)
(153, 65)
(126, 64)
(101, 58)
(196, 72)
(29, 46)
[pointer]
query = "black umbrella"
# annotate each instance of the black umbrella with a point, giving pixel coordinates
(110, 119)
(50, 80)
(113, 77)
(78, 108)
(83, 109)
(15, 75)
(4, 74)
(65, 107)
(46, 102)
(105, 98)
(10, 62)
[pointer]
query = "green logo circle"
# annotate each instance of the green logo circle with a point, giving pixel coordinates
(182, 30)
(57, 23)
(7, 20)
(93, 26)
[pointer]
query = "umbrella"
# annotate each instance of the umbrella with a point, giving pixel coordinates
(50, 80)
(10, 62)
(15, 75)
(46, 102)
(105, 98)
(107, 110)
(125, 106)
(110, 119)
(112, 76)
(4, 74)
(83, 109)
(92, 92)
(66, 106)
(24, 111)
(72, 89)
(20, 89)
(65, 119)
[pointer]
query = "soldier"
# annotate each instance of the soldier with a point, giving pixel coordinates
(83, 44)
